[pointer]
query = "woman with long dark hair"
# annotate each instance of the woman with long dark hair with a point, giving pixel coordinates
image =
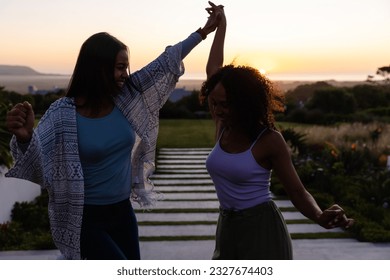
(94, 148)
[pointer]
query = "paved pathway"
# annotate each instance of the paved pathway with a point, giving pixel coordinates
(188, 215)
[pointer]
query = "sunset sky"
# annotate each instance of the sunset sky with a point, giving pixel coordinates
(299, 38)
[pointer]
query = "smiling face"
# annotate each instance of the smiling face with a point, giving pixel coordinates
(121, 68)
(219, 105)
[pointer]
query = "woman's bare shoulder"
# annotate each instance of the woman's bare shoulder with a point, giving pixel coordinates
(273, 136)
(273, 141)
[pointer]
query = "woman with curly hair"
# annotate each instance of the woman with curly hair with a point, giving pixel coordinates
(248, 149)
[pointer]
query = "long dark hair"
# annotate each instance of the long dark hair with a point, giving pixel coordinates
(93, 75)
(251, 96)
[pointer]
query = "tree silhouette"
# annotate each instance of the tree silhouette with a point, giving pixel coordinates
(383, 71)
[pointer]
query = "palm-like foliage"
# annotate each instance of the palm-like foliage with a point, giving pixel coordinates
(296, 140)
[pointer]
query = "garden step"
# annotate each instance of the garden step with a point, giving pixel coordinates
(185, 151)
(181, 168)
(304, 249)
(180, 161)
(178, 182)
(198, 217)
(178, 156)
(209, 230)
(163, 204)
(156, 177)
(190, 196)
(184, 188)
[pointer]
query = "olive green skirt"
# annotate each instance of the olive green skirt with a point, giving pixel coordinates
(256, 233)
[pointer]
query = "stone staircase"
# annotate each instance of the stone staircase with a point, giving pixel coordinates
(189, 209)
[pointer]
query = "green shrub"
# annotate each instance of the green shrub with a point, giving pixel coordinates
(5, 137)
(353, 179)
(374, 234)
(10, 235)
(29, 228)
(32, 215)
(324, 200)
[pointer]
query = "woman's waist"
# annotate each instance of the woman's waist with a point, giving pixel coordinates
(107, 209)
(240, 199)
(246, 211)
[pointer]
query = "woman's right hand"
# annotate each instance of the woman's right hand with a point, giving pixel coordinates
(20, 121)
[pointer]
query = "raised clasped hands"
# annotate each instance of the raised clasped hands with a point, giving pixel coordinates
(216, 18)
(334, 217)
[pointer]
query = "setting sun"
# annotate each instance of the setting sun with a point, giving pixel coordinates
(262, 71)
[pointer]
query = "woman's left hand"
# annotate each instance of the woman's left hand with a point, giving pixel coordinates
(333, 217)
(216, 16)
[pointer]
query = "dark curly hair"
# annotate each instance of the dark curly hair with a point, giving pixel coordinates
(251, 96)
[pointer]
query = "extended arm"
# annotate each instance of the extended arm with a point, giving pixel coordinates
(280, 161)
(216, 55)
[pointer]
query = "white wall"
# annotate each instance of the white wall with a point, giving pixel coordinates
(388, 162)
(14, 190)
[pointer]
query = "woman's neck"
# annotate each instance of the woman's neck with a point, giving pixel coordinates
(235, 139)
(86, 110)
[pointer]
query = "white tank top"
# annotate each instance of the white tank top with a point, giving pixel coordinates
(240, 182)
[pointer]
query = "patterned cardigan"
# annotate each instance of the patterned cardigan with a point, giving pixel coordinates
(52, 158)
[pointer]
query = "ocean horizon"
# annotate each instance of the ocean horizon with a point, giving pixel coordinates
(340, 77)
(21, 83)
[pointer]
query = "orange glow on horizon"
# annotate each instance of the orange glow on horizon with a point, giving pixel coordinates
(296, 39)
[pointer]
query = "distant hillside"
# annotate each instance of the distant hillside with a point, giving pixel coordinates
(17, 70)
(179, 93)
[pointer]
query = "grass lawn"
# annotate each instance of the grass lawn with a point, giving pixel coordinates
(183, 133)
(191, 133)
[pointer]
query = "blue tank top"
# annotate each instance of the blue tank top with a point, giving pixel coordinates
(240, 182)
(105, 146)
